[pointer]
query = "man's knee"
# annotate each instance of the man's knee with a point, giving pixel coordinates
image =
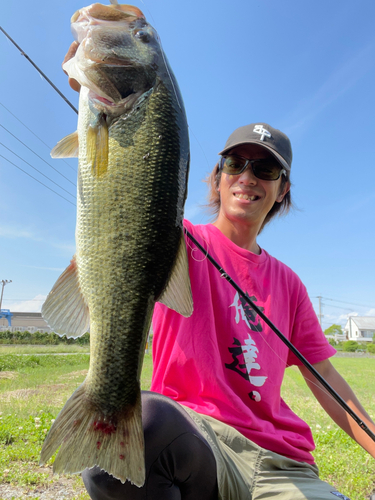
(176, 455)
(164, 420)
(102, 486)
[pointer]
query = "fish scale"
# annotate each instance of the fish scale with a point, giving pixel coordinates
(133, 167)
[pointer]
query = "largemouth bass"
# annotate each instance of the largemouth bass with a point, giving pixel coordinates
(133, 149)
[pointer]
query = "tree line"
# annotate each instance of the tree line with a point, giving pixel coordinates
(41, 338)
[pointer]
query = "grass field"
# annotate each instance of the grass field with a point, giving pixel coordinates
(43, 349)
(34, 388)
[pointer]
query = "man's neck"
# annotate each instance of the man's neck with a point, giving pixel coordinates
(242, 235)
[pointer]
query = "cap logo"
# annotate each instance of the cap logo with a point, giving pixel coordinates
(259, 129)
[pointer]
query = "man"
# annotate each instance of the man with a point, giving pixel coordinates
(215, 424)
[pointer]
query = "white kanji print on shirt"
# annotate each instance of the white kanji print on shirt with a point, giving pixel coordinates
(247, 349)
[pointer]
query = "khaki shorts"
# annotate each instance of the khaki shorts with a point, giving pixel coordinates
(246, 471)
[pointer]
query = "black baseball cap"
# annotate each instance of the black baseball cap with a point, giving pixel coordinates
(262, 134)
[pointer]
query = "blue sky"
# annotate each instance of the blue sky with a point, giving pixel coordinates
(307, 68)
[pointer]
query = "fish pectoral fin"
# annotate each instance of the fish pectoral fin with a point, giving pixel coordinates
(65, 309)
(177, 294)
(67, 147)
(97, 148)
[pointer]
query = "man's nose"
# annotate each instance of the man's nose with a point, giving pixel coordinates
(247, 176)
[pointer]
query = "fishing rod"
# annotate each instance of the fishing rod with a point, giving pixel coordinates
(225, 275)
(282, 337)
(39, 70)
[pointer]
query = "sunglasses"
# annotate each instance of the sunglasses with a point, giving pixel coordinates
(267, 169)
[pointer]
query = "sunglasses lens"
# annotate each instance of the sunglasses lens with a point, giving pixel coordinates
(267, 169)
(233, 165)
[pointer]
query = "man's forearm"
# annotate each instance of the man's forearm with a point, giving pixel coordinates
(334, 410)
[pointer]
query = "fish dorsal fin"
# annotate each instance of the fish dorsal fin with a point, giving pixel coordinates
(67, 147)
(97, 148)
(65, 309)
(177, 294)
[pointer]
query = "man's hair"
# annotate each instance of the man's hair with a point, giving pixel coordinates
(279, 208)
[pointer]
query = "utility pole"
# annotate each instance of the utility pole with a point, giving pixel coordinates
(320, 315)
(4, 282)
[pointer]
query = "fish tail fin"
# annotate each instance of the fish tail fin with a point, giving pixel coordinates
(88, 438)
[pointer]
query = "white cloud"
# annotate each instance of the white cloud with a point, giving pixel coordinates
(12, 232)
(344, 317)
(191, 211)
(337, 83)
(59, 269)
(371, 312)
(33, 305)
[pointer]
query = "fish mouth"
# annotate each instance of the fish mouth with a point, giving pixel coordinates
(118, 54)
(108, 13)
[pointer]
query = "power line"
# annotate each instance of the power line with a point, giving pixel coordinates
(39, 70)
(350, 303)
(36, 154)
(34, 134)
(41, 173)
(338, 307)
(24, 171)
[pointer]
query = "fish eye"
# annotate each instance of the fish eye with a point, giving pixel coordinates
(143, 35)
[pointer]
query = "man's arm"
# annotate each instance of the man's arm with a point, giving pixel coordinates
(338, 414)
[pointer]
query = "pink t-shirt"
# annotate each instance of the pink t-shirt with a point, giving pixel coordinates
(223, 364)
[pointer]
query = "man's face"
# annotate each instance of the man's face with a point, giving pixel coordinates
(244, 198)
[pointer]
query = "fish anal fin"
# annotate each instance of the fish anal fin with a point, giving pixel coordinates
(88, 438)
(97, 148)
(65, 309)
(177, 294)
(66, 148)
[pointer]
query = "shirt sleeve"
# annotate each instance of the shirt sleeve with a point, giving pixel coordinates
(307, 335)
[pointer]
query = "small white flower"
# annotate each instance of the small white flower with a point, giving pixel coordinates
(52, 420)
(328, 427)
(37, 419)
(44, 430)
(37, 425)
(20, 427)
(318, 426)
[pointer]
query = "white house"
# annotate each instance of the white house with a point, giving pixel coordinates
(360, 328)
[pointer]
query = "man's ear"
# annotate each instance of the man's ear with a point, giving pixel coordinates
(283, 192)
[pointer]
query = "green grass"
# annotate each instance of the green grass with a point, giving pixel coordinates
(341, 461)
(43, 349)
(34, 388)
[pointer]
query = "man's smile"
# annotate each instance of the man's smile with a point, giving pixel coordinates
(244, 196)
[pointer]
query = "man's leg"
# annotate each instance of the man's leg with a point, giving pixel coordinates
(281, 478)
(179, 462)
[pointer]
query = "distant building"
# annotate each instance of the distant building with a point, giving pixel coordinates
(25, 321)
(360, 328)
(337, 337)
(5, 313)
